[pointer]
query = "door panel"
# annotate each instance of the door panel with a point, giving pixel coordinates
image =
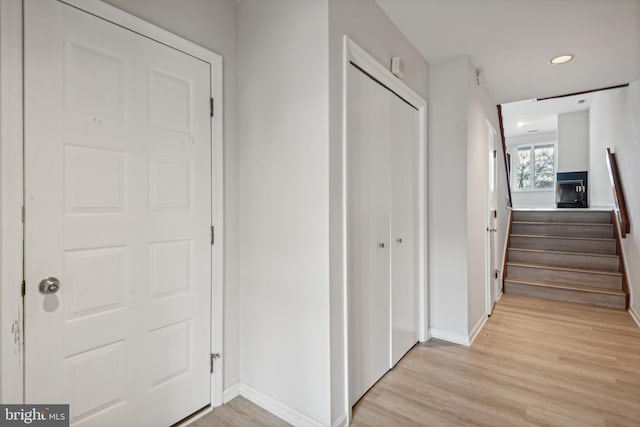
(118, 208)
(368, 229)
(404, 227)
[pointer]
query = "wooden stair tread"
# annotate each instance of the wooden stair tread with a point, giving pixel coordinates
(565, 255)
(570, 210)
(565, 252)
(575, 270)
(542, 236)
(589, 224)
(566, 286)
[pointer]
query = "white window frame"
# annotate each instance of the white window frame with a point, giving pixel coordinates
(513, 149)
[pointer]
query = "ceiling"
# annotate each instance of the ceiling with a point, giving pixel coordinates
(512, 41)
(536, 117)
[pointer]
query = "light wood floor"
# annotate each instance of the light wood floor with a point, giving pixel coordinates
(239, 413)
(536, 362)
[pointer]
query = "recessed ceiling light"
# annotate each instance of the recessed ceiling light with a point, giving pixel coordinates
(561, 59)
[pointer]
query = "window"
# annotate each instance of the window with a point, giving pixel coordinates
(534, 167)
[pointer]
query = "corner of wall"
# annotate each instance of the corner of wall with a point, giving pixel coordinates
(635, 316)
(231, 392)
(452, 337)
(277, 408)
(481, 110)
(475, 330)
(342, 421)
(283, 207)
(447, 182)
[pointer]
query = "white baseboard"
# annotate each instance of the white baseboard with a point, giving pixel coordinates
(634, 316)
(231, 393)
(343, 421)
(477, 328)
(450, 337)
(279, 409)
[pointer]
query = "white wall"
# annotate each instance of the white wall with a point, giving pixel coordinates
(573, 141)
(615, 120)
(603, 133)
(211, 24)
(284, 204)
(481, 108)
(531, 199)
(447, 154)
(459, 110)
(367, 25)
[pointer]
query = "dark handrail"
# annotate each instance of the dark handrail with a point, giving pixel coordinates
(621, 204)
(504, 153)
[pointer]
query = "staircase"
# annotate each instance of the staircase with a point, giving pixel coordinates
(568, 255)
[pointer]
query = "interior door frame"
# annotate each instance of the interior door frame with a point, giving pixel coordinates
(12, 174)
(354, 54)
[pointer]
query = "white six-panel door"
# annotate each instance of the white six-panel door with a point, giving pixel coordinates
(118, 209)
(382, 236)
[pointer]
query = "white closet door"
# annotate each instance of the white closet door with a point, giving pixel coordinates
(368, 231)
(404, 228)
(118, 209)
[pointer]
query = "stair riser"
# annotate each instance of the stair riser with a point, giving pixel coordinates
(566, 260)
(612, 301)
(542, 274)
(563, 230)
(603, 217)
(592, 246)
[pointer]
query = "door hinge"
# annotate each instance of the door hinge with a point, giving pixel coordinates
(213, 235)
(495, 213)
(211, 106)
(214, 356)
(23, 289)
(495, 154)
(23, 214)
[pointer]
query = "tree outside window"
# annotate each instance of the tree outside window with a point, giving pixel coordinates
(534, 167)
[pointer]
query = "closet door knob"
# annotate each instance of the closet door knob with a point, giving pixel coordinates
(381, 245)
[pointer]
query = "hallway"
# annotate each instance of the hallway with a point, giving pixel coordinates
(536, 362)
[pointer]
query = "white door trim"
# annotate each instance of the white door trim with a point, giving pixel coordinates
(355, 54)
(11, 230)
(11, 192)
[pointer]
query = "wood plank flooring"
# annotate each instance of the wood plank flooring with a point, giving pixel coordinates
(535, 363)
(239, 413)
